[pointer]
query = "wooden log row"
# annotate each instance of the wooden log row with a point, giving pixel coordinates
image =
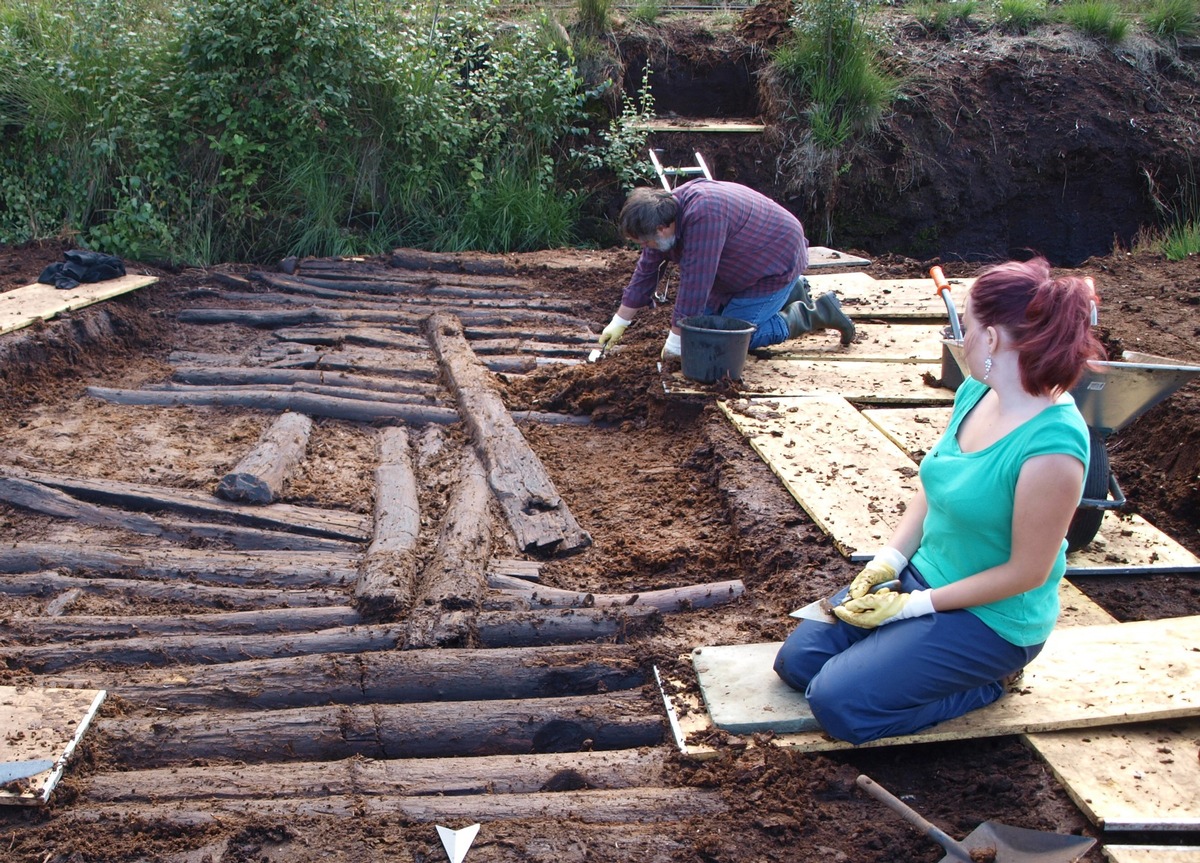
(374, 337)
(206, 376)
(337, 524)
(39, 498)
(537, 514)
(371, 677)
(624, 807)
(232, 624)
(485, 774)
(316, 293)
(49, 584)
(618, 720)
(282, 570)
(404, 321)
(307, 403)
(485, 629)
(666, 601)
(259, 477)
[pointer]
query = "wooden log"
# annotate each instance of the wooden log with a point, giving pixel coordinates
(40, 498)
(537, 514)
(278, 569)
(358, 334)
(314, 292)
(490, 629)
(372, 396)
(667, 600)
(625, 807)
(409, 321)
(620, 720)
(487, 774)
(449, 262)
(249, 376)
(36, 630)
(387, 574)
(338, 524)
(336, 408)
(373, 677)
(259, 477)
(47, 583)
(453, 576)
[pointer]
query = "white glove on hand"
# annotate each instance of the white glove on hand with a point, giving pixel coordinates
(611, 334)
(885, 566)
(673, 349)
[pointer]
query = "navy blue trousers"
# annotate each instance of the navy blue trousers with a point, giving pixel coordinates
(863, 684)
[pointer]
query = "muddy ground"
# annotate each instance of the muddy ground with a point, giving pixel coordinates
(670, 494)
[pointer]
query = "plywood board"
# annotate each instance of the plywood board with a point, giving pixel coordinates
(42, 723)
(892, 299)
(875, 341)
(849, 478)
(1152, 853)
(1129, 777)
(821, 257)
(37, 302)
(1086, 677)
(894, 383)
(1124, 545)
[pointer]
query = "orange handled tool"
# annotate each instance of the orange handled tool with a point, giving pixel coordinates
(942, 285)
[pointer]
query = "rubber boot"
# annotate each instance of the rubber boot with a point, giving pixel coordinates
(799, 293)
(828, 315)
(825, 314)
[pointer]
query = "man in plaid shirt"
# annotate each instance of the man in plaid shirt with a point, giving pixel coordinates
(739, 254)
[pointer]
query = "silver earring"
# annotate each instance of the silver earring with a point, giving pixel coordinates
(987, 367)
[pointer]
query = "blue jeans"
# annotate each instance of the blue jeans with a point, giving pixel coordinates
(863, 684)
(769, 327)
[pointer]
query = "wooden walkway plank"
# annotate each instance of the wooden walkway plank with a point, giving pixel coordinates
(37, 302)
(896, 383)
(42, 723)
(1152, 853)
(1124, 545)
(1129, 777)
(850, 479)
(1134, 672)
(876, 341)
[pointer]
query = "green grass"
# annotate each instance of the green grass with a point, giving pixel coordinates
(938, 16)
(1173, 19)
(1100, 19)
(1021, 16)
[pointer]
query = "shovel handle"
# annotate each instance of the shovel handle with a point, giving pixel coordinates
(942, 286)
(953, 848)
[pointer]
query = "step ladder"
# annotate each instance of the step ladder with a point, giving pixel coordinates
(670, 175)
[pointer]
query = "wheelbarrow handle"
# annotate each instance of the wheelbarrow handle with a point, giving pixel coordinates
(953, 847)
(942, 285)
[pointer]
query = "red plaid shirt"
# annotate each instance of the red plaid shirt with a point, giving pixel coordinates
(730, 241)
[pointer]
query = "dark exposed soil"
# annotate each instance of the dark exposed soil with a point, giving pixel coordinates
(669, 492)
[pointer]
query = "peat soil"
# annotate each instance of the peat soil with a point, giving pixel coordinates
(671, 496)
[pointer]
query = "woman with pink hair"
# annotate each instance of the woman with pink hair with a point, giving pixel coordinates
(980, 549)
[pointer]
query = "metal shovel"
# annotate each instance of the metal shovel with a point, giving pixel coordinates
(990, 841)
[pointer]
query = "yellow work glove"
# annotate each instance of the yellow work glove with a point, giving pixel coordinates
(611, 334)
(883, 567)
(884, 606)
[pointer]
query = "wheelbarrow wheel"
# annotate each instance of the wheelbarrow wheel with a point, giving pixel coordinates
(1086, 522)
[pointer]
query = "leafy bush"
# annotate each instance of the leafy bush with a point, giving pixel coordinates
(1100, 19)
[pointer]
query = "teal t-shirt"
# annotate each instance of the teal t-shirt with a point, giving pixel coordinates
(969, 524)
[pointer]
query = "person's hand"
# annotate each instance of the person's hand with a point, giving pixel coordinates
(884, 606)
(673, 349)
(882, 568)
(611, 334)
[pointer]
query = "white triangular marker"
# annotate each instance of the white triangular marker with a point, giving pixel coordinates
(457, 842)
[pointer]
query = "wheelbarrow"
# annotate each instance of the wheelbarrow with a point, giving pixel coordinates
(991, 840)
(1110, 395)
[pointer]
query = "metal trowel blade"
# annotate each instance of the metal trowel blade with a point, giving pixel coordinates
(815, 611)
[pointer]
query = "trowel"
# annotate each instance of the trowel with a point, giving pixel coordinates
(457, 842)
(821, 612)
(11, 771)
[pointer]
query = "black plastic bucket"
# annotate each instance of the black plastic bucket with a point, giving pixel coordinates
(713, 347)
